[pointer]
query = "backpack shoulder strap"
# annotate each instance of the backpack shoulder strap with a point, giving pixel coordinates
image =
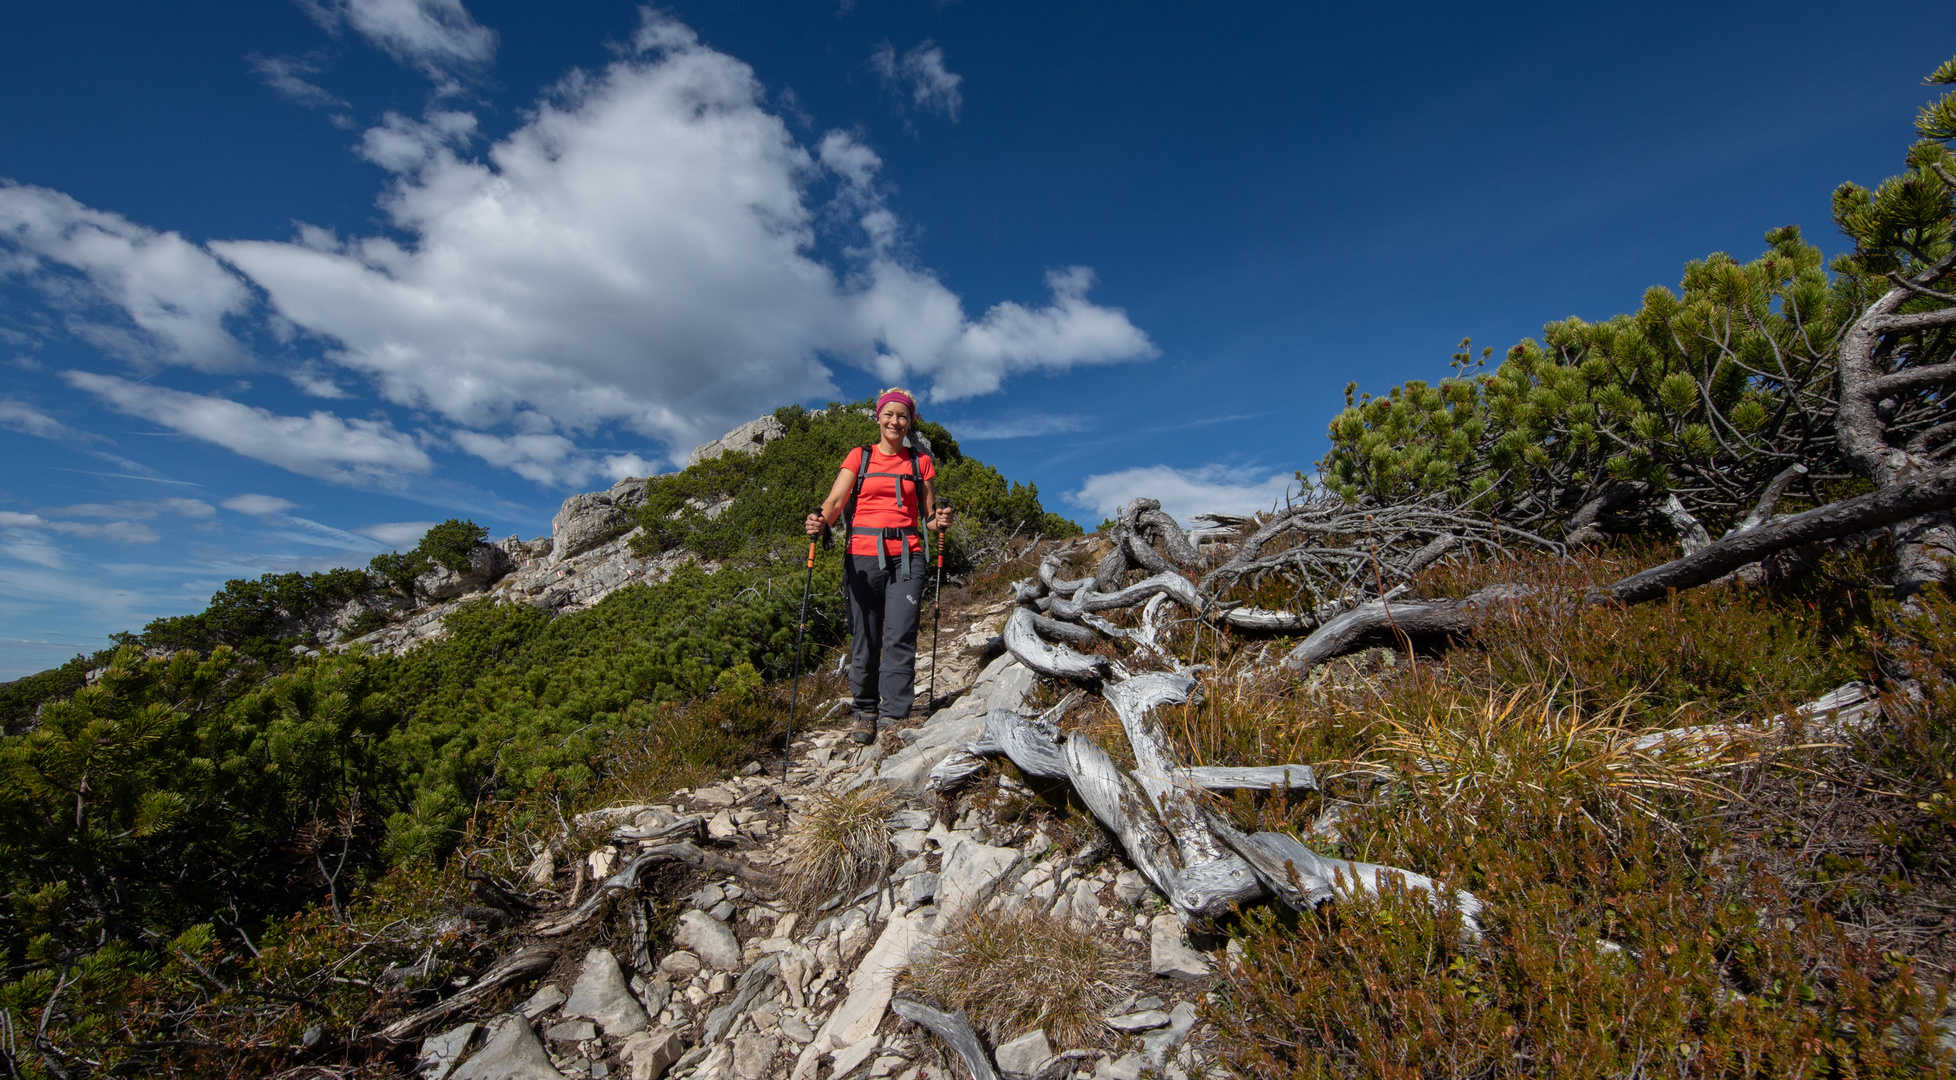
(862, 471)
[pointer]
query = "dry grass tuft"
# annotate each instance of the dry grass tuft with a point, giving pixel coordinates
(839, 847)
(1019, 968)
(1536, 740)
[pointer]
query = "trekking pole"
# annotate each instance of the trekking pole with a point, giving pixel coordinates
(801, 628)
(936, 618)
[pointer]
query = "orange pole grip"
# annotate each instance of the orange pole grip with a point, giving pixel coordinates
(811, 554)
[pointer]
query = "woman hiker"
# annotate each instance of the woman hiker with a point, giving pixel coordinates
(885, 490)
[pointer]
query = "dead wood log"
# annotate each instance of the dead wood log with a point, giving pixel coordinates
(1692, 535)
(1248, 777)
(1177, 587)
(531, 960)
(1276, 622)
(1054, 661)
(1912, 497)
(627, 879)
(1303, 879)
(1055, 630)
(954, 1029)
(1417, 617)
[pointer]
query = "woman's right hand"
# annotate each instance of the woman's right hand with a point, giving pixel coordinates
(814, 524)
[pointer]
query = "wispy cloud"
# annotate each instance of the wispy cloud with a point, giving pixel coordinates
(319, 445)
(397, 534)
(28, 420)
(1184, 492)
(121, 532)
(1020, 426)
(921, 73)
(258, 505)
(286, 75)
(438, 37)
(138, 510)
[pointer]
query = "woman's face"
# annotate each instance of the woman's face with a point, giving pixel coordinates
(894, 421)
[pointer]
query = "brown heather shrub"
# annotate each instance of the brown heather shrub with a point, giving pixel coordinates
(1019, 968)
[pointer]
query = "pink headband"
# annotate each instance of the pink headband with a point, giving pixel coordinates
(897, 395)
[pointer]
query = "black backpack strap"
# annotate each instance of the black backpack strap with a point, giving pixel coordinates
(849, 511)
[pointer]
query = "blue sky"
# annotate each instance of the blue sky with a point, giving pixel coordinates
(281, 283)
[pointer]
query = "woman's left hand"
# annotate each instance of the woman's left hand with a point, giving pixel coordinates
(941, 520)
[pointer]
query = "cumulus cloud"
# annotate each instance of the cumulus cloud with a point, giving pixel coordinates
(643, 251)
(1184, 492)
(126, 288)
(258, 505)
(397, 534)
(28, 420)
(437, 36)
(319, 445)
(921, 71)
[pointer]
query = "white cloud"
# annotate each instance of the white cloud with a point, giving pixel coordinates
(397, 534)
(122, 532)
(436, 36)
(173, 296)
(1020, 426)
(28, 420)
(1183, 492)
(642, 252)
(286, 76)
(258, 505)
(134, 510)
(320, 445)
(932, 86)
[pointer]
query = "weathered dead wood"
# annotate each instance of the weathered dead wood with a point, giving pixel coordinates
(1304, 879)
(1417, 617)
(954, 1029)
(1692, 535)
(1055, 630)
(1904, 499)
(1276, 622)
(1053, 661)
(627, 879)
(531, 960)
(1177, 587)
(1248, 777)
(689, 827)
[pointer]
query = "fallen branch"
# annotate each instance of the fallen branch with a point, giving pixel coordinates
(954, 1029)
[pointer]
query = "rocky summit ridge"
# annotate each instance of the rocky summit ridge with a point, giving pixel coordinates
(739, 986)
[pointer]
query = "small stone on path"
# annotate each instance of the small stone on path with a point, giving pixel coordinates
(709, 939)
(1025, 1055)
(1169, 955)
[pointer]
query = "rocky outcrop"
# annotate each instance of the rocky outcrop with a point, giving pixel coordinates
(487, 563)
(745, 989)
(584, 522)
(748, 438)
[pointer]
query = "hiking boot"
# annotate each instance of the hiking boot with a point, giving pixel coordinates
(864, 730)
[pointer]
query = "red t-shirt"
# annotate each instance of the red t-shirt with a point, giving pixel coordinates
(877, 507)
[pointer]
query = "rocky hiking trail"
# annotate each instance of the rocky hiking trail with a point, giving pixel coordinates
(739, 985)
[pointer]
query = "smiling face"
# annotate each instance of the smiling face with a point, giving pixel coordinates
(893, 421)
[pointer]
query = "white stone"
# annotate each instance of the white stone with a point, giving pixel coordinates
(571, 1031)
(1169, 954)
(1145, 1020)
(849, 1057)
(440, 1052)
(721, 826)
(752, 1055)
(1159, 1043)
(682, 964)
(601, 861)
(601, 994)
(1131, 887)
(545, 999)
(971, 873)
(513, 1053)
(709, 939)
(648, 1054)
(1127, 1068)
(1025, 1055)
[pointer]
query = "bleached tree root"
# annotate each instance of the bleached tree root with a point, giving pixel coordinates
(954, 1029)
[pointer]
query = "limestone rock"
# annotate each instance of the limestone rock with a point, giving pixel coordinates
(440, 1052)
(748, 438)
(972, 871)
(601, 994)
(547, 997)
(648, 1054)
(681, 964)
(709, 939)
(1144, 1020)
(571, 1031)
(487, 564)
(752, 1055)
(1161, 1042)
(1024, 1056)
(584, 522)
(1169, 955)
(1126, 1068)
(918, 888)
(849, 1057)
(1131, 887)
(513, 1053)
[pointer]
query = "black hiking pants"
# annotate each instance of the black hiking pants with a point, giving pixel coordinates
(884, 612)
